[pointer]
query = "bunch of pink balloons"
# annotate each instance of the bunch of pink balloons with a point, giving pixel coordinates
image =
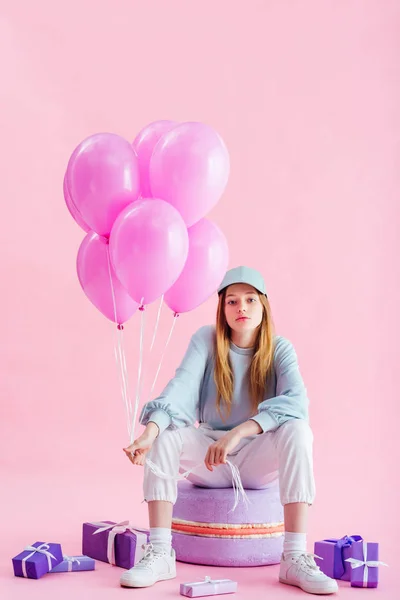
(142, 206)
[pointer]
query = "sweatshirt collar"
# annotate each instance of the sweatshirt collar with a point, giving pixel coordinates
(238, 350)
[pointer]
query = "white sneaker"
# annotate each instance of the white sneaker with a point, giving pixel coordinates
(302, 571)
(156, 565)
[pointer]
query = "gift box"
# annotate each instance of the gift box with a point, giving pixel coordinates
(74, 563)
(119, 544)
(364, 563)
(331, 556)
(208, 587)
(37, 560)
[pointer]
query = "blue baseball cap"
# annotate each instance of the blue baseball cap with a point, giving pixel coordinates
(243, 275)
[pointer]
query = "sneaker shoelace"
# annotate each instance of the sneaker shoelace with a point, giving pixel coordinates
(307, 561)
(150, 555)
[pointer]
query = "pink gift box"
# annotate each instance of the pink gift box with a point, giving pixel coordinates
(208, 587)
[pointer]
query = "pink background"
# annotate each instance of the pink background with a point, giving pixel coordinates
(306, 96)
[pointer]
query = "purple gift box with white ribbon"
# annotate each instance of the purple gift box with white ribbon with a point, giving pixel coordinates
(208, 587)
(364, 563)
(37, 560)
(119, 544)
(74, 563)
(331, 556)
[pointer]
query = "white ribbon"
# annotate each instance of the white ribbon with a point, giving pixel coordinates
(42, 549)
(356, 563)
(237, 485)
(162, 357)
(119, 352)
(70, 560)
(207, 579)
(139, 377)
(157, 323)
(141, 537)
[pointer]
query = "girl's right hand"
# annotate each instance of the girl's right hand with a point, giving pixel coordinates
(137, 451)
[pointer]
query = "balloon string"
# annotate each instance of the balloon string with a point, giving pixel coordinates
(163, 354)
(123, 375)
(122, 387)
(139, 378)
(121, 336)
(157, 322)
(119, 353)
(237, 485)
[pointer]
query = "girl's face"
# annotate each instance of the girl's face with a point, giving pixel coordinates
(243, 308)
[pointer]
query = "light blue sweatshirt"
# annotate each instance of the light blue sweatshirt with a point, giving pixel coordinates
(191, 395)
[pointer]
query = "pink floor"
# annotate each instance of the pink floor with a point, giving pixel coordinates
(51, 507)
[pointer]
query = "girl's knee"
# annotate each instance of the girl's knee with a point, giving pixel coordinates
(299, 430)
(166, 446)
(167, 438)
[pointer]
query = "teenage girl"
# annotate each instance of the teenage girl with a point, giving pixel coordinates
(243, 385)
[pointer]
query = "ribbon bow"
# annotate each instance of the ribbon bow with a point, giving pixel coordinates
(347, 540)
(42, 549)
(122, 527)
(207, 579)
(356, 563)
(344, 542)
(70, 560)
(117, 527)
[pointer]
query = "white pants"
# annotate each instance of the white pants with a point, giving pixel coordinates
(285, 453)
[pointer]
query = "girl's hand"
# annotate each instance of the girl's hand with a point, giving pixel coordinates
(219, 450)
(137, 451)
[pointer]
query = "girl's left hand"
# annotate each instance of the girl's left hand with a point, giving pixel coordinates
(219, 450)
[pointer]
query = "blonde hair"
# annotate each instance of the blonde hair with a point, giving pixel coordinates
(261, 364)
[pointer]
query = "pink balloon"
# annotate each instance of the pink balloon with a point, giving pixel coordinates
(103, 178)
(143, 145)
(72, 208)
(148, 247)
(204, 270)
(94, 276)
(190, 169)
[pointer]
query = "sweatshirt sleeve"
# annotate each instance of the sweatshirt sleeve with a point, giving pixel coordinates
(177, 406)
(291, 401)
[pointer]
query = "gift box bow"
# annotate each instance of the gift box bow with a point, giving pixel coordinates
(42, 549)
(344, 542)
(207, 579)
(113, 530)
(356, 563)
(70, 560)
(347, 540)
